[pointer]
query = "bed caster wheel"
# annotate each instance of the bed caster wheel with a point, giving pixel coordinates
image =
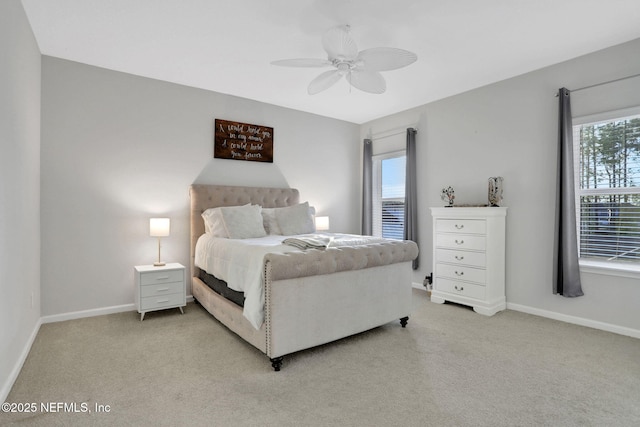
(276, 362)
(404, 321)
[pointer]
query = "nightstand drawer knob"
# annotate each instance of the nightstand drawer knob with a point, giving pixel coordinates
(459, 273)
(162, 277)
(162, 301)
(459, 226)
(162, 289)
(461, 288)
(459, 242)
(459, 258)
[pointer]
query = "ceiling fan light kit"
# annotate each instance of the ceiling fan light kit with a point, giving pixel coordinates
(360, 68)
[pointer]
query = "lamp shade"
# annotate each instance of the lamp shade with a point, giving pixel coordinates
(159, 227)
(322, 223)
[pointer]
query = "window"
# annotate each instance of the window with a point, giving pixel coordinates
(388, 195)
(607, 159)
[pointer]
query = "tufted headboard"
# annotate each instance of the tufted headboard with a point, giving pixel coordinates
(204, 197)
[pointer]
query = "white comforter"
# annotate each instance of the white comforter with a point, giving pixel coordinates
(240, 263)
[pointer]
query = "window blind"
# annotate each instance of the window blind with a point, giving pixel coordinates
(388, 195)
(608, 188)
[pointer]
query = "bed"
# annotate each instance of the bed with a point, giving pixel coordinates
(309, 297)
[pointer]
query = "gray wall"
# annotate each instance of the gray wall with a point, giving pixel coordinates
(118, 149)
(19, 189)
(509, 129)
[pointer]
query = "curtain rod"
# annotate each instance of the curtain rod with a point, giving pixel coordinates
(392, 132)
(602, 84)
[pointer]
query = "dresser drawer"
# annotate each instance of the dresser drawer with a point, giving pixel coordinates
(461, 272)
(467, 226)
(452, 256)
(460, 288)
(162, 301)
(158, 277)
(161, 289)
(461, 241)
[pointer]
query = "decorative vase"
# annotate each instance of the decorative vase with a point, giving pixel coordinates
(495, 190)
(449, 195)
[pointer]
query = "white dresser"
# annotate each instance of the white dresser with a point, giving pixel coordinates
(469, 257)
(159, 288)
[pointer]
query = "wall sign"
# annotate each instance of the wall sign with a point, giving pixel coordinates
(242, 141)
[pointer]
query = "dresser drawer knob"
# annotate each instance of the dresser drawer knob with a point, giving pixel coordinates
(461, 288)
(162, 289)
(459, 258)
(459, 273)
(459, 242)
(459, 226)
(162, 277)
(162, 301)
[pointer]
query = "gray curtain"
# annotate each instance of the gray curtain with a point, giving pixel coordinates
(367, 182)
(411, 193)
(566, 271)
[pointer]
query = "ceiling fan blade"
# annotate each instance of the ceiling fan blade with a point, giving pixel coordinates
(385, 58)
(302, 62)
(367, 81)
(338, 43)
(324, 81)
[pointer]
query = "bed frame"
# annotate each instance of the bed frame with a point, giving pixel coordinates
(340, 292)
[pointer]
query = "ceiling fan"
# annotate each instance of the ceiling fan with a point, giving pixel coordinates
(360, 68)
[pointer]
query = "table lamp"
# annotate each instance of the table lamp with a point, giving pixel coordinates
(322, 223)
(159, 227)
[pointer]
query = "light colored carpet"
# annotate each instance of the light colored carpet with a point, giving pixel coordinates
(449, 367)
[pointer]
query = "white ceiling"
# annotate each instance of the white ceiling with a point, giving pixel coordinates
(227, 46)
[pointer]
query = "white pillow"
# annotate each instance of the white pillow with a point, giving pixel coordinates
(270, 222)
(243, 222)
(213, 222)
(295, 219)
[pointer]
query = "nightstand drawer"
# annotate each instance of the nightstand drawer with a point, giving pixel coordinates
(460, 288)
(460, 272)
(468, 226)
(158, 302)
(451, 256)
(158, 277)
(461, 241)
(161, 289)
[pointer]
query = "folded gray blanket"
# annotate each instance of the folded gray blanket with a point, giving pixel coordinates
(309, 242)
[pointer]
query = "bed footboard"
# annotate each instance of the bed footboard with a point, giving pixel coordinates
(305, 312)
(309, 311)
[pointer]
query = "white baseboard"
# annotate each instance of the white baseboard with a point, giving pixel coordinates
(417, 285)
(6, 387)
(621, 330)
(94, 312)
(88, 313)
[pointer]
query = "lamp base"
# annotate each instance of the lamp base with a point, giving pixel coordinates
(158, 264)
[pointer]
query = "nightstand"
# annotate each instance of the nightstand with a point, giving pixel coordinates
(160, 288)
